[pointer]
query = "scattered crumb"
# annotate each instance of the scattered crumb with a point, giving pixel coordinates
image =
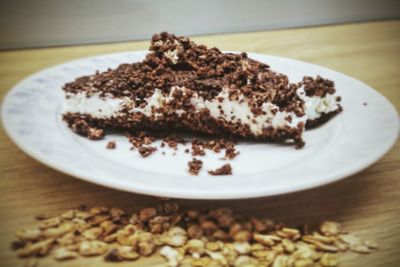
(141, 138)
(365, 103)
(142, 141)
(195, 166)
(111, 145)
(173, 141)
(226, 169)
(231, 153)
(198, 147)
(146, 151)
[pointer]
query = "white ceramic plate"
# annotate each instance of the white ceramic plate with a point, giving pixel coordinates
(348, 143)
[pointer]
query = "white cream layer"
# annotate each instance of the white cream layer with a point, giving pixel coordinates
(233, 111)
(316, 106)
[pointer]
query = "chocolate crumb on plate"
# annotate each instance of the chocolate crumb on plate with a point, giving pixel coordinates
(173, 141)
(141, 141)
(146, 151)
(226, 169)
(111, 145)
(231, 153)
(195, 166)
(198, 147)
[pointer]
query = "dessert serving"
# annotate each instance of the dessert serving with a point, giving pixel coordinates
(184, 86)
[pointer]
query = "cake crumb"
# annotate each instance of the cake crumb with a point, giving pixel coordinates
(146, 151)
(231, 153)
(139, 139)
(198, 148)
(81, 127)
(142, 141)
(173, 141)
(365, 103)
(111, 145)
(226, 169)
(195, 166)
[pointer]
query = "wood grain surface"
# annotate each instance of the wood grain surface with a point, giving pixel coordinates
(368, 203)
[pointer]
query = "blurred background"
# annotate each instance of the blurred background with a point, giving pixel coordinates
(42, 23)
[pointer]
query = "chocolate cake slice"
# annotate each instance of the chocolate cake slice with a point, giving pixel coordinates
(181, 85)
(320, 100)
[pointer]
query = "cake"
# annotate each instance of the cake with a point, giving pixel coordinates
(184, 86)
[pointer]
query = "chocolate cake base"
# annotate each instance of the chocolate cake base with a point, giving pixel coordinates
(311, 124)
(201, 123)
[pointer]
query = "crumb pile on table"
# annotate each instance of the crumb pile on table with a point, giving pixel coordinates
(192, 237)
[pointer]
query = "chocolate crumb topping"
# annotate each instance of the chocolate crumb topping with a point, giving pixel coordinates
(177, 61)
(318, 86)
(226, 169)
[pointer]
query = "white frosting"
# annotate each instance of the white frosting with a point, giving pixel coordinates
(172, 55)
(316, 106)
(240, 111)
(232, 111)
(94, 105)
(155, 101)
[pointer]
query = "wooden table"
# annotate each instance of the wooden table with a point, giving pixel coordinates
(366, 203)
